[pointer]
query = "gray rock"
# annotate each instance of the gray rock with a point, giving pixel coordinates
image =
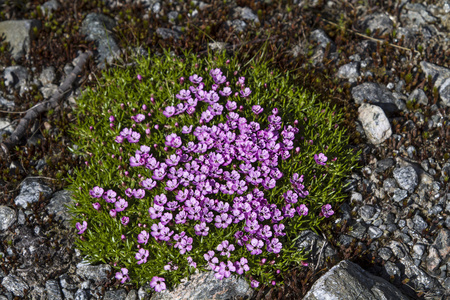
(392, 270)
(375, 123)
(319, 36)
(57, 206)
(374, 232)
(18, 34)
(348, 71)
(385, 253)
(15, 76)
(47, 76)
(81, 295)
(419, 223)
(442, 243)
(29, 192)
(375, 94)
(166, 33)
(248, 14)
(96, 273)
(367, 212)
(406, 178)
(444, 92)
(6, 104)
(48, 90)
(97, 27)
(345, 240)
(49, 7)
(205, 286)
(433, 260)
(399, 195)
(418, 251)
(7, 217)
(115, 295)
(172, 16)
(310, 241)
(419, 96)
(380, 22)
(349, 281)
(238, 25)
(438, 74)
(53, 290)
(132, 295)
(15, 285)
(358, 231)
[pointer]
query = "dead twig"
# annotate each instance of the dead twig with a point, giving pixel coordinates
(33, 113)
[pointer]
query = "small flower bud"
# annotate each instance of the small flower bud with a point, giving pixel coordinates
(111, 125)
(139, 77)
(123, 237)
(156, 126)
(176, 124)
(111, 118)
(144, 107)
(122, 106)
(155, 146)
(166, 149)
(227, 62)
(147, 131)
(152, 100)
(91, 128)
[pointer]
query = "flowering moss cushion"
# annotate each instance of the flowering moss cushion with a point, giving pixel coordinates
(203, 163)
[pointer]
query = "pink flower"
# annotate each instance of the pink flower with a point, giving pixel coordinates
(158, 284)
(326, 211)
(96, 192)
(81, 228)
(112, 213)
(320, 159)
(123, 275)
(96, 205)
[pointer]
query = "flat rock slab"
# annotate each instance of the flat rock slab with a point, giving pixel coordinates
(18, 34)
(205, 286)
(347, 280)
(7, 217)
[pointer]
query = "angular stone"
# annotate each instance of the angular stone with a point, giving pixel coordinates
(367, 212)
(310, 241)
(419, 96)
(349, 281)
(53, 290)
(438, 74)
(205, 286)
(29, 192)
(81, 295)
(18, 34)
(96, 273)
(375, 94)
(375, 232)
(15, 76)
(385, 253)
(166, 33)
(375, 123)
(380, 22)
(433, 259)
(7, 217)
(15, 285)
(115, 295)
(442, 243)
(132, 295)
(57, 206)
(348, 71)
(406, 178)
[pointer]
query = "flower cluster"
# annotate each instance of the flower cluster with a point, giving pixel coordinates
(238, 157)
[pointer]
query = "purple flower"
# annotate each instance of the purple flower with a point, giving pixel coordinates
(246, 92)
(320, 159)
(96, 205)
(201, 229)
(223, 220)
(160, 199)
(269, 183)
(186, 129)
(180, 218)
(302, 210)
(254, 283)
(122, 275)
(219, 79)
(241, 81)
(274, 246)
(126, 132)
(224, 270)
(242, 266)
(81, 228)
(139, 193)
(138, 118)
(143, 237)
(184, 94)
(134, 137)
(212, 261)
(191, 262)
(148, 184)
(225, 247)
(141, 256)
(215, 72)
(96, 192)
(159, 174)
(119, 139)
(121, 205)
(278, 230)
(290, 197)
(226, 92)
(172, 140)
(158, 284)
(184, 242)
(125, 220)
(257, 109)
(173, 160)
(255, 246)
(195, 79)
(326, 211)
(169, 111)
(110, 196)
(112, 213)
